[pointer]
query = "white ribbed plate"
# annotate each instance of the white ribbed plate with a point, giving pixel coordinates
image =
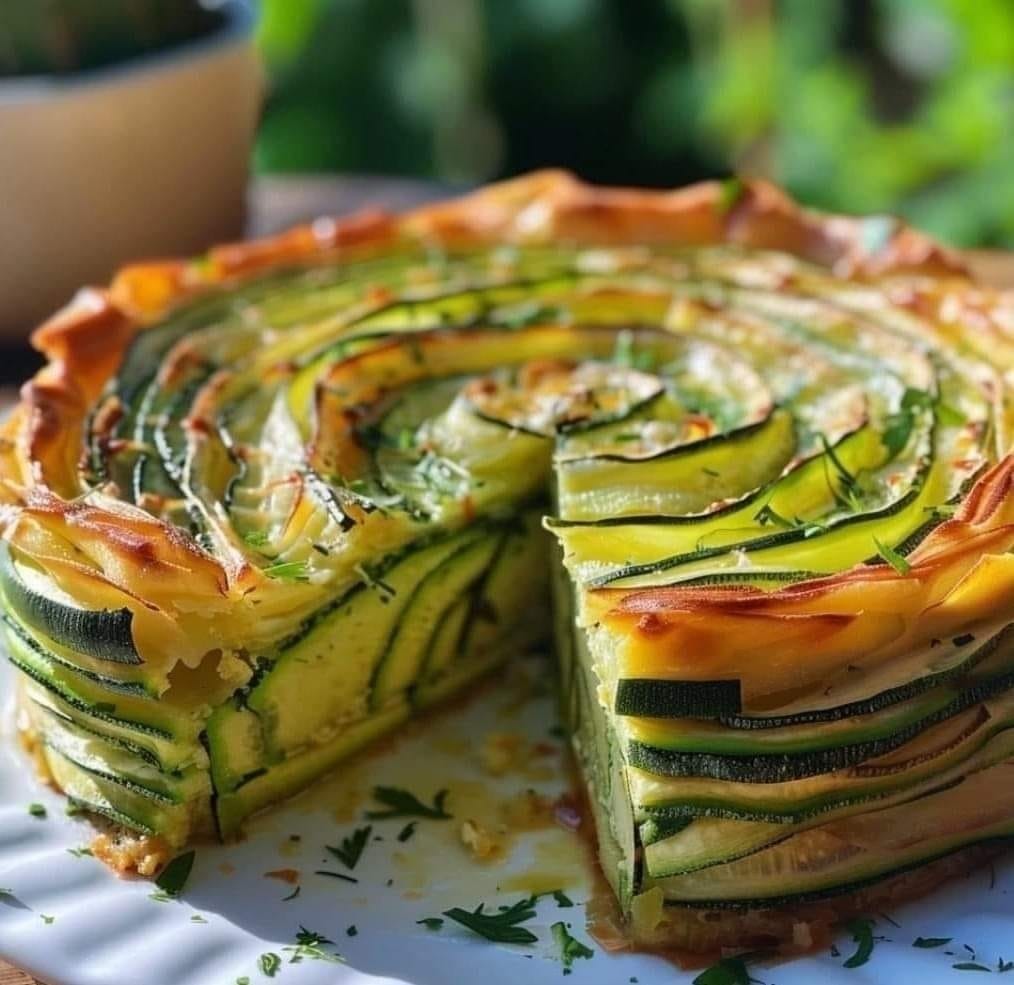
(106, 930)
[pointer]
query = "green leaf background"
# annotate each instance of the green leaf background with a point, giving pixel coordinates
(881, 105)
(870, 106)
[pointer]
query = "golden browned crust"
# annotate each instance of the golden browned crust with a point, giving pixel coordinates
(86, 340)
(128, 852)
(85, 343)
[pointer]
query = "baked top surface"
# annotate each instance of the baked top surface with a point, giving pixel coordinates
(63, 465)
(776, 445)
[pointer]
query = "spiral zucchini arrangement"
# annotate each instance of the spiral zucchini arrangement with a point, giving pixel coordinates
(261, 508)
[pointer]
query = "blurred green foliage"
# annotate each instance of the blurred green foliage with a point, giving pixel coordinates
(861, 105)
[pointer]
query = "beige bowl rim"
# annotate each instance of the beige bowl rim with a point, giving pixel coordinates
(237, 27)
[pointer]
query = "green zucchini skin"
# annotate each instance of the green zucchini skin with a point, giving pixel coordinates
(626, 577)
(651, 698)
(739, 435)
(111, 814)
(988, 744)
(657, 828)
(254, 761)
(104, 634)
(645, 696)
(125, 744)
(840, 889)
(46, 654)
(108, 776)
(85, 708)
(778, 768)
(660, 820)
(402, 663)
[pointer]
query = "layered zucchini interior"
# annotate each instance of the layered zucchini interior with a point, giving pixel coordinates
(765, 509)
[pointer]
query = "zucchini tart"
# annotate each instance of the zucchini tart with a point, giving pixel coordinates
(749, 465)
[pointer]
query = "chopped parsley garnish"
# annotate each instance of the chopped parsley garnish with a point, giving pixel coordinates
(898, 426)
(562, 899)
(407, 831)
(443, 475)
(79, 852)
(335, 875)
(197, 918)
(288, 571)
(625, 353)
(351, 930)
(255, 538)
(949, 416)
(501, 927)
(913, 398)
(269, 964)
(728, 971)
(570, 947)
(846, 492)
(37, 810)
(46, 919)
(401, 803)
(730, 191)
(862, 933)
(892, 557)
(897, 429)
(174, 876)
(292, 895)
(927, 942)
(310, 945)
(243, 981)
(768, 515)
(623, 350)
(349, 851)
(970, 966)
(431, 923)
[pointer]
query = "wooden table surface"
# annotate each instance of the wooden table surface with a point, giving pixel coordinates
(276, 203)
